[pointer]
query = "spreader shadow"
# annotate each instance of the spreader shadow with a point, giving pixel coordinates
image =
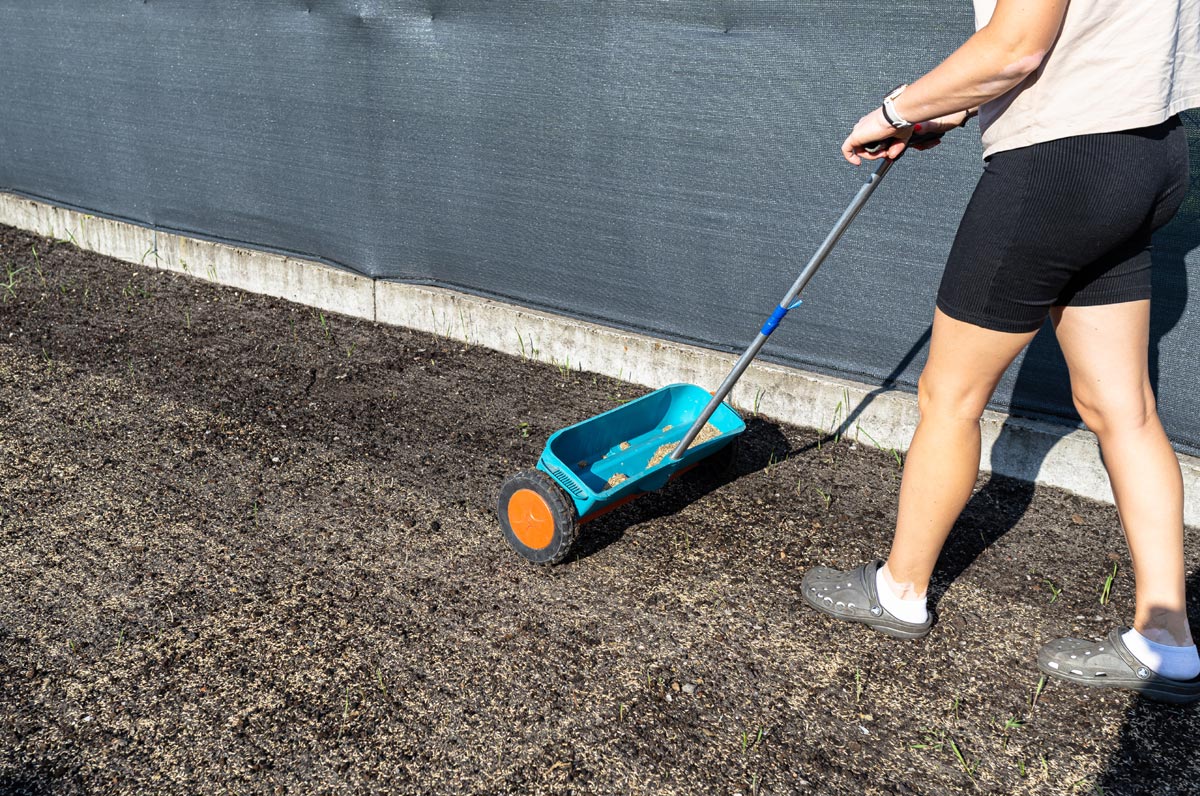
(761, 442)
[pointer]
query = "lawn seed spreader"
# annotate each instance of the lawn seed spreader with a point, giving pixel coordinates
(599, 464)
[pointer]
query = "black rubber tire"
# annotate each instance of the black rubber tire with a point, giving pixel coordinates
(562, 511)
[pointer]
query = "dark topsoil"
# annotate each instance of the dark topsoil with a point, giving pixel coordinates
(250, 548)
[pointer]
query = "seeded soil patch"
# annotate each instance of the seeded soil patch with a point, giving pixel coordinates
(248, 547)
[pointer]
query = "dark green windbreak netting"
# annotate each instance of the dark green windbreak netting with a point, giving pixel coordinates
(658, 165)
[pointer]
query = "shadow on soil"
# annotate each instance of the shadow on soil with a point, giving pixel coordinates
(761, 444)
(35, 781)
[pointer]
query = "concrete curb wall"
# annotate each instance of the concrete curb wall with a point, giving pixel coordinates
(1038, 451)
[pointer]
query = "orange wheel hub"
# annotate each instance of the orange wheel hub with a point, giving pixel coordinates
(531, 519)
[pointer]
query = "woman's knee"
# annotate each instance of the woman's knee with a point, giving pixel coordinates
(948, 398)
(1108, 409)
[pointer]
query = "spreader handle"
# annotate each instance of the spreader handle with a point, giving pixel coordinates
(914, 140)
(856, 204)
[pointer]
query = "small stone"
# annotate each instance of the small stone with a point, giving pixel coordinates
(1077, 519)
(689, 689)
(674, 686)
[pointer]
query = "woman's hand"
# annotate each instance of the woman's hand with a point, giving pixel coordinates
(871, 129)
(927, 135)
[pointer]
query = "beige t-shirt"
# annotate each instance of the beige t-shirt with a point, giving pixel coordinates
(1117, 65)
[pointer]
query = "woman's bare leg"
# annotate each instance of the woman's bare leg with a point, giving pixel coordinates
(1106, 351)
(965, 363)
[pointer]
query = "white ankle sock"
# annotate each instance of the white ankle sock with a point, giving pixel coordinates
(1178, 663)
(913, 610)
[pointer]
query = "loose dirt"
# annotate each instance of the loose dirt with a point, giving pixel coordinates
(248, 547)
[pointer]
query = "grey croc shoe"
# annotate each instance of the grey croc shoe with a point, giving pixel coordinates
(851, 596)
(1110, 664)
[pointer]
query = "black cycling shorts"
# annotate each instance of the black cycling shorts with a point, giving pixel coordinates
(1065, 222)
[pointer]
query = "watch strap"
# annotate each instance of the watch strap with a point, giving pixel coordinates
(891, 115)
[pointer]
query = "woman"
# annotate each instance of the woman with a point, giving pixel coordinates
(1085, 158)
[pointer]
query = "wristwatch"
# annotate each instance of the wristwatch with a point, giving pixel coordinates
(889, 109)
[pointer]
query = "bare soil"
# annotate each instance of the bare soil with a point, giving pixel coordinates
(247, 547)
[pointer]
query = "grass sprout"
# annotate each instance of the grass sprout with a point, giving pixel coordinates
(1037, 691)
(1106, 594)
(825, 496)
(11, 275)
(750, 741)
(969, 768)
(37, 265)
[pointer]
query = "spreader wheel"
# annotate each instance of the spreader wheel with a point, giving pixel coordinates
(538, 519)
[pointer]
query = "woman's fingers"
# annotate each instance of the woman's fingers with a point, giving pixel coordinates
(856, 153)
(895, 149)
(849, 150)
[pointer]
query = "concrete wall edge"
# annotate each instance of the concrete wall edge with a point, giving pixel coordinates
(1040, 451)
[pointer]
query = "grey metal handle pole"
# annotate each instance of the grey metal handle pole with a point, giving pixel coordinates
(860, 199)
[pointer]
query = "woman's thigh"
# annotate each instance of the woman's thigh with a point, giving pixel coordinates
(965, 363)
(1106, 348)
